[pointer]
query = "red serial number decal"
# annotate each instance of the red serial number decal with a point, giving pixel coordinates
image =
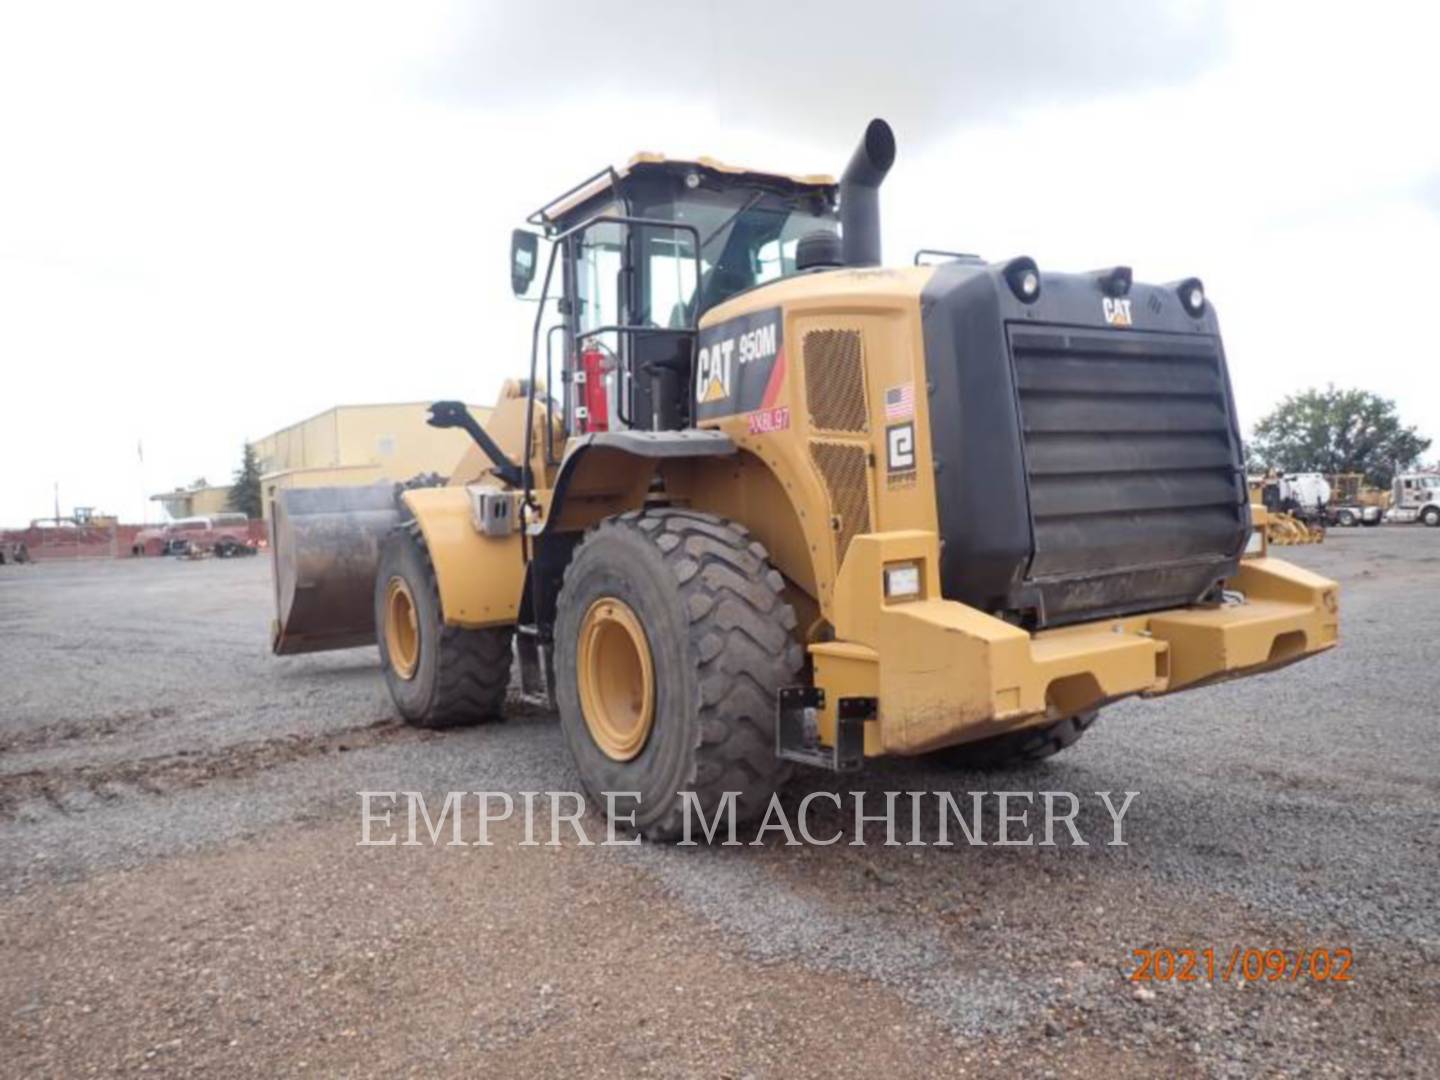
(767, 420)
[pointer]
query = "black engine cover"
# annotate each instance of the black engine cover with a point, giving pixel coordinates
(1084, 468)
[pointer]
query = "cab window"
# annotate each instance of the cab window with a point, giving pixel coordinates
(598, 268)
(671, 274)
(747, 236)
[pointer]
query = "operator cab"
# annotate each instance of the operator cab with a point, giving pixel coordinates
(638, 254)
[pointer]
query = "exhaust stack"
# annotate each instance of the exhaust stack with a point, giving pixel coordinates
(860, 195)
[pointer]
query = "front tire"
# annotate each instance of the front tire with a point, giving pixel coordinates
(1431, 516)
(439, 676)
(1347, 519)
(1017, 749)
(672, 641)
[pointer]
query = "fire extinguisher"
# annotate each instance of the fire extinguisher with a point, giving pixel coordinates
(596, 402)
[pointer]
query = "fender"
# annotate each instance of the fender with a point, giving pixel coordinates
(481, 579)
(612, 472)
(608, 472)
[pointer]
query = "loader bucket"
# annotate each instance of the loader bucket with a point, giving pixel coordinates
(325, 547)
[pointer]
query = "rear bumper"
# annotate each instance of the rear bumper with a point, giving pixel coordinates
(942, 673)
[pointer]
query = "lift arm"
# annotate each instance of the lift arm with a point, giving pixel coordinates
(453, 414)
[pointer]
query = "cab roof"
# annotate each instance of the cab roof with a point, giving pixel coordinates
(552, 212)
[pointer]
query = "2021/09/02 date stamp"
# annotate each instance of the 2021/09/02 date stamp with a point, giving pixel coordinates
(1242, 963)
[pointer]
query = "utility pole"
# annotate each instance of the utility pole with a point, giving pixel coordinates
(140, 475)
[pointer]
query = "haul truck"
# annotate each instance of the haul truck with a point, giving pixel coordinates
(763, 501)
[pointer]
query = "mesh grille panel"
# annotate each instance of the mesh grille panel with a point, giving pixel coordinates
(1134, 488)
(842, 467)
(835, 381)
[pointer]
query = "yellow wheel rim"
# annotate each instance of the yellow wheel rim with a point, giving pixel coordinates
(617, 679)
(402, 628)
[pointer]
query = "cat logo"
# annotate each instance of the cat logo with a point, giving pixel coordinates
(739, 365)
(713, 366)
(1117, 310)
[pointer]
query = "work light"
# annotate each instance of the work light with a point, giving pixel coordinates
(1192, 295)
(1023, 277)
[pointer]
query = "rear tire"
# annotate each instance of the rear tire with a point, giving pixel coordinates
(1017, 749)
(1347, 519)
(720, 641)
(440, 676)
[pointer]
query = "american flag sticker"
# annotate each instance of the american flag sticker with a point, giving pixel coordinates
(900, 402)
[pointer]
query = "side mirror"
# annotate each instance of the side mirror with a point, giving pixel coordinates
(524, 256)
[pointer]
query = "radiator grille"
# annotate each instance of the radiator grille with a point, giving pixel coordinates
(842, 467)
(835, 380)
(1135, 491)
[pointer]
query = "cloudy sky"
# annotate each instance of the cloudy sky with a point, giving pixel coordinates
(216, 219)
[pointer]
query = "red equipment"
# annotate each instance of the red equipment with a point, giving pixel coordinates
(596, 401)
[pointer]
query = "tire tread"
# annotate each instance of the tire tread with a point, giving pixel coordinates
(734, 600)
(1017, 749)
(474, 665)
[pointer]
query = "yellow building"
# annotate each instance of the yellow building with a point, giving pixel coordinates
(358, 444)
(198, 500)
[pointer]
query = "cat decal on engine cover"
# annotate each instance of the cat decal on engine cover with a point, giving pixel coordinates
(740, 365)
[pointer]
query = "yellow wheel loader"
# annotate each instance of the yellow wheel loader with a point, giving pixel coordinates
(1285, 530)
(1287, 523)
(761, 501)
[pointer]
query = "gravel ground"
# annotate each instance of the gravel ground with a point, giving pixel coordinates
(181, 889)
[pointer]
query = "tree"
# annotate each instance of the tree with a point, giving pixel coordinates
(245, 491)
(1337, 431)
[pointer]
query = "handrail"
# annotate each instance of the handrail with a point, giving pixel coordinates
(550, 458)
(526, 470)
(626, 219)
(619, 329)
(541, 218)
